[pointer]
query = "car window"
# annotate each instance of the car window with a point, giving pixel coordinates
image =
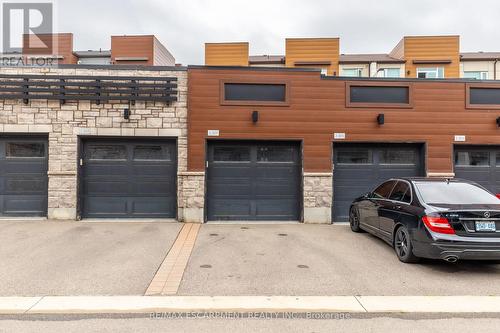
(401, 192)
(383, 191)
(454, 193)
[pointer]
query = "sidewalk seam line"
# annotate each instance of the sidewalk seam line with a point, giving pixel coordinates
(35, 304)
(359, 301)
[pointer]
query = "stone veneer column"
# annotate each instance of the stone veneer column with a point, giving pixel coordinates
(318, 197)
(191, 196)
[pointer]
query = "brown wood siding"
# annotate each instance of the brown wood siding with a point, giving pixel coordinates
(306, 50)
(226, 54)
(61, 45)
(318, 110)
(433, 48)
(132, 47)
(162, 57)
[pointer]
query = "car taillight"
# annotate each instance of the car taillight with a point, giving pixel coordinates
(438, 224)
(498, 195)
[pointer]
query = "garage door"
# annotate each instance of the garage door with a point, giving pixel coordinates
(23, 176)
(359, 168)
(129, 178)
(479, 164)
(258, 181)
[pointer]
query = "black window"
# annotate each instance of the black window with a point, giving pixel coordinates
(384, 190)
(275, 154)
(398, 156)
(153, 152)
(487, 96)
(231, 154)
(472, 158)
(255, 92)
(111, 152)
(25, 149)
(454, 193)
(401, 192)
(382, 94)
(358, 156)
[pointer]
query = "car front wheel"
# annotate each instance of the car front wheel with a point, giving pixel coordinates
(403, 246)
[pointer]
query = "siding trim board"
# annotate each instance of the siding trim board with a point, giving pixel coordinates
(351, 104)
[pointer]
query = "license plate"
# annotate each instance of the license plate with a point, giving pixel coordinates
(486, 226)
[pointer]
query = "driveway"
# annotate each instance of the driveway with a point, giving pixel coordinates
(78, 258)
(320, 260)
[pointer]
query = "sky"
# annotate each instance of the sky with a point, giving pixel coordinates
(364, 26)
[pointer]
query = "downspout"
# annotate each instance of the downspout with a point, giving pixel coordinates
(495, 69)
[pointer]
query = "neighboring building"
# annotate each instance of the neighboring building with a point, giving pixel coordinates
(413, 57)
(262, 140)
(144, 50)
(480, 65)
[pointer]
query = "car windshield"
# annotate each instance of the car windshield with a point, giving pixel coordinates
(453, 193)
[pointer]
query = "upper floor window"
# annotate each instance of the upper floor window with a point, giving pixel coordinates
(352, 72)
(236, 93)
(482, 96)
(378, 95)
(430, 73)
(477, 75)
(389, 72)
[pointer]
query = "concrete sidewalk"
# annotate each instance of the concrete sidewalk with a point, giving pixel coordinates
(249, 304)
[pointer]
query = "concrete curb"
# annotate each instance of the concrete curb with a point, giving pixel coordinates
(149, 304)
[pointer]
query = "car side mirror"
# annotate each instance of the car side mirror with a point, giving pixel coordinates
(367, 195)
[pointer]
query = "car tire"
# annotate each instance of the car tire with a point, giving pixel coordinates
(354, 220)
(403, 246)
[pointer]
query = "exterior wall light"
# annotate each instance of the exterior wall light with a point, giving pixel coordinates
(381, 119)
(255, 116)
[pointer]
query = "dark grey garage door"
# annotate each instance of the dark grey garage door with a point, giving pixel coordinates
(359, 168)
(129, 178)
(23, 176)
(254, 181)
(479, 164)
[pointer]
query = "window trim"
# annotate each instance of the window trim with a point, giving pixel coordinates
(384, 70)
(222, 93)
(431, 69)
(480, 74)
(350, 104)
(468, 104)
(358, 69)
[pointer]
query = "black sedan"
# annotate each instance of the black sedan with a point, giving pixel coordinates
(449, 219)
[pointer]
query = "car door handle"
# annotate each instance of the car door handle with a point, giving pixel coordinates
(398, 207)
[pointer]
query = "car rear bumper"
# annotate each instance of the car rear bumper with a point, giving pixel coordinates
(459, 250)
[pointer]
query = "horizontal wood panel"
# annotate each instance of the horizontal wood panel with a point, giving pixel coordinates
(318, 110)
(433, 48)
(226, 54)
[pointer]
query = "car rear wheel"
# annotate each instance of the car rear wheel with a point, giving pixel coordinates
(354, 220)
(403, 246)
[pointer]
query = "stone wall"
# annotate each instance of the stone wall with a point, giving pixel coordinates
(318, 190)
(64, 123)
(192, 196)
